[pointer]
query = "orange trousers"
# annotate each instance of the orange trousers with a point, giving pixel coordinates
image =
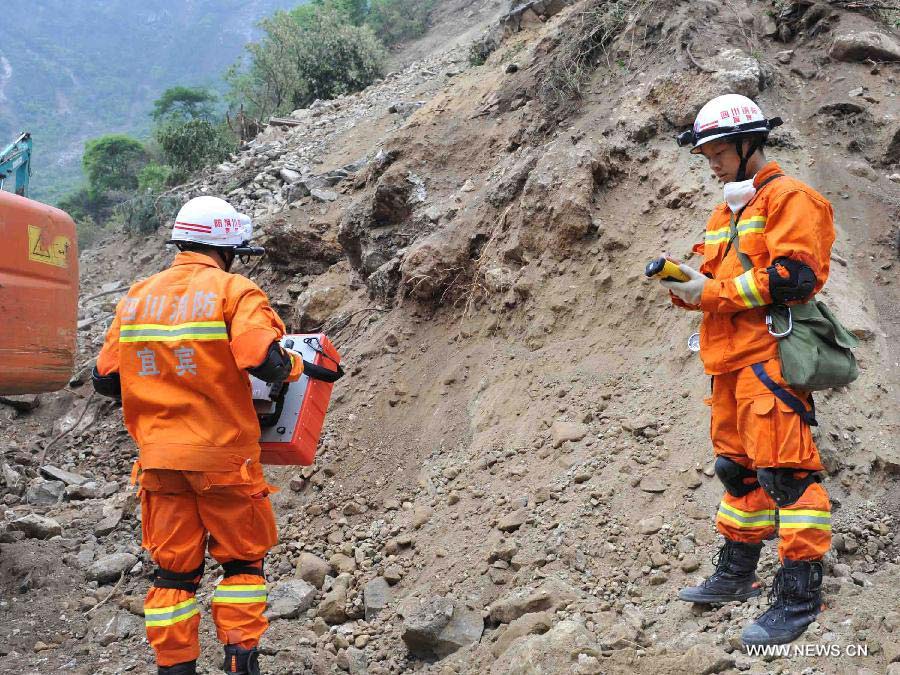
(183, 512)
(755, 429)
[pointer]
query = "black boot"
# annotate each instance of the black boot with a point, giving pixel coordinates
(795, 600)
(186, 668)
(241, 661)
(734, 578)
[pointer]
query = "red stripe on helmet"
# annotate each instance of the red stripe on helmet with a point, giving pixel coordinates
(193, 226)
(192, 229)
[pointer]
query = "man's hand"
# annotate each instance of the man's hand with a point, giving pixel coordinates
(689, 291)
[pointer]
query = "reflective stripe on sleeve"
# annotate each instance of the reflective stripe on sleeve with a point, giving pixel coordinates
(240, 593)
(752, 225)
(738, 518)
(746, 286)
(198, 330)
(719, 236)
(166, 616)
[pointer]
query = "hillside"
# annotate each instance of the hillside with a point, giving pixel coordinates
(70, 71)
(521, 439)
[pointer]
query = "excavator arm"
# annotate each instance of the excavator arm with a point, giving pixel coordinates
(15, 163)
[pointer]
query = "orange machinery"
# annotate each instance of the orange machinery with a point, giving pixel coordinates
(38, 296)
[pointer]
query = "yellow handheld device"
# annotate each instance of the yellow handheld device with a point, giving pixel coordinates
(664, 269)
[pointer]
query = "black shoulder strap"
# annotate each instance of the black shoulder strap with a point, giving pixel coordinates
(735, 219)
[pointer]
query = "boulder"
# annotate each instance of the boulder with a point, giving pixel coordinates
(440, 627)
(864, 45)
(706, 659)
(66, 477)
(110, 568)
(527, 624)
(332, 608)
(289, 599)
(862, 170)
(650, 525)
(11, 478)
(42, 492)
(512, 521)
(315, 305)
(36, 527)
(622, 635)
(376, 596)
(381, 223)
(342, 564)
(561, 432)
(323, 195)
(841, 108)
(557, 198)
(295, 249)
(892, 154)
(120, 626)
(562, 649)
(313, 569)
(109, 523)
(353, 661)
(430, 265)
(289, 175)
(553, 595)
(679, 96)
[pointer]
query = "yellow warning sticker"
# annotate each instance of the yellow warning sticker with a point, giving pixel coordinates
(53, 253)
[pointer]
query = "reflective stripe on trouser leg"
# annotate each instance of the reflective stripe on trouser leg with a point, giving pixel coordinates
(748, 519)
(172, 618)
(237, 608)
(805, 526)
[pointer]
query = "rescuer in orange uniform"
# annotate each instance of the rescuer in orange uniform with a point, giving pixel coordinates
(760, 429)
(178, 353)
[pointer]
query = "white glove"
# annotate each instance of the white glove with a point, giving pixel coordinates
(691, 290)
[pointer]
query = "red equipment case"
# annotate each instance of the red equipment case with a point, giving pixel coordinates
(293, 413)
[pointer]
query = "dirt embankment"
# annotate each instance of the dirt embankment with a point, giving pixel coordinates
(516, 473)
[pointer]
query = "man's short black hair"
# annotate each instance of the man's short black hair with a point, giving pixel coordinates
(203, 248)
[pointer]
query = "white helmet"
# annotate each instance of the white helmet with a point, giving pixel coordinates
(728, 116)
(213, 222)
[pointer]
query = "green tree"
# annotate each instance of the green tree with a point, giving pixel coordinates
(396, 20)
(319, 56)
(184, 103)
(192, 145)
(112, 162)
(354, 10)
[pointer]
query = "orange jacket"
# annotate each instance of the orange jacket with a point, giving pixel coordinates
(181, 342)
(788, 219)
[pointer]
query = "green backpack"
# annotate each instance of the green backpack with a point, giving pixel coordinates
(813, 346)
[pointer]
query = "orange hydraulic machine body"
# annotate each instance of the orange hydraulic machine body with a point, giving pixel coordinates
(291, 415)
(38, 296)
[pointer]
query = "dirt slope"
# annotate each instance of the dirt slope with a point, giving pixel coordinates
(522, 434)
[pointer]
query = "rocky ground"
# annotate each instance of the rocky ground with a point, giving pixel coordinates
(515, 476)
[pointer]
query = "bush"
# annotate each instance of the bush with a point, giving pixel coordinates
(112, 163)
(192, 145)
(145, 213)
(317, 54)
(79, 204)
(394, 21)
(154, 177)
(88, 232)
